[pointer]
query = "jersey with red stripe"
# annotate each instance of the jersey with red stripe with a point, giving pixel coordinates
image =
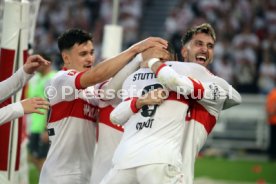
(109, 136)
(71, 129)
(154, 134)
(203, 113)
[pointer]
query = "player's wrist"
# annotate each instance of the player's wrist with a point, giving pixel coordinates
(152, 61)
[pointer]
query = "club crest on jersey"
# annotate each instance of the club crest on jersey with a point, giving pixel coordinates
(215, 94)
(71, 73)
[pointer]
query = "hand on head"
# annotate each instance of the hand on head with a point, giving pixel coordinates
(149, 43)
(32, 105)
(34, 62)
(154, 52)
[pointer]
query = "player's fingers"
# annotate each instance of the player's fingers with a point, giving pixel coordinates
(160, 41)
(41, 101)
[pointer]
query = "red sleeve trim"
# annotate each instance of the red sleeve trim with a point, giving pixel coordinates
(198, 89)
(160, 67)
(133, 105)
(77, 81)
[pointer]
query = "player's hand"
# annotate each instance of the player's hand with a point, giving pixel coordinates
(155, 52)
(154, 97)
(34, 62)
(32, 105)
(149, 43)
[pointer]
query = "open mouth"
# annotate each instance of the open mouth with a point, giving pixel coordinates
(88, 66)
(201, 59)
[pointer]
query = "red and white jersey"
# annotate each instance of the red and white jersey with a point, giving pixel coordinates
(154, 134)
(203, 113)
(9, 87)
(109, 136)
(71, 129)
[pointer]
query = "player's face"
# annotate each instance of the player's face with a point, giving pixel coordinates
(199, 50)
(80, 57)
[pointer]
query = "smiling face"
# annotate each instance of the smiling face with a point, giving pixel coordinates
(200, 49)
(80, 57)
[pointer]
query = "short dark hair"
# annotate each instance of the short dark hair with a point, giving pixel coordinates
(72, 36)
(203, 28)
(172, 51)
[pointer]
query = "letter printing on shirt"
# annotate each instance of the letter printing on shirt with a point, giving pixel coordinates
(201, 119)
(154, 134)
(71, 129)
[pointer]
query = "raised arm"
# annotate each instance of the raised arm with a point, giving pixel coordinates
(14, 83)
(108, 68)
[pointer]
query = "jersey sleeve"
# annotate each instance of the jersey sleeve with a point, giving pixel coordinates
(14, 83)
(11, 112)
(117, 81)
(179, 83)
(65, 86)
(124, 111)
(233, 96)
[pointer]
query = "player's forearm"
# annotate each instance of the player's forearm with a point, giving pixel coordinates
(13, 83)
(168, 77)
(123, 112)
(117, 81)
(11, 112)
(107, 68)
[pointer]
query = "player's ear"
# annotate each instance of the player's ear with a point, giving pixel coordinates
(184, 53)
(65, 57)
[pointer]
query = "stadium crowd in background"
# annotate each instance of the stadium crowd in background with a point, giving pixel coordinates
(246, 32)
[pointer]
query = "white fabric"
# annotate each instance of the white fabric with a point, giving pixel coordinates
(108, 140)
(152, 174)
(108, 135)
(72, 120)
(158, 133)
(14, 83)
(195, 133)
(11, 112)
(9, 87)
(196, 129)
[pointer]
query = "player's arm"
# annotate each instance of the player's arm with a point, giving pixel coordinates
(233, 98)
(108, 68)
(121, 114)
(14, 83)
(179, 83)
(18, 109)
(117, 81)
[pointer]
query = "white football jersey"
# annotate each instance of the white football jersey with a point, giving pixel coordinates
(71, 130)
(109, 136)
(203, 113)
(154, 134)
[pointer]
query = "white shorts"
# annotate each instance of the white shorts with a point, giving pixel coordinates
(149, 174)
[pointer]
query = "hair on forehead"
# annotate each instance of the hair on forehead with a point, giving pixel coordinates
(203, 28)
(73, 36)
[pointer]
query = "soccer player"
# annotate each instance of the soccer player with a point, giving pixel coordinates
(198, 47)
(201, 118)
(150, 149)
(71, 125)
(109, 135)
(14, 83)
